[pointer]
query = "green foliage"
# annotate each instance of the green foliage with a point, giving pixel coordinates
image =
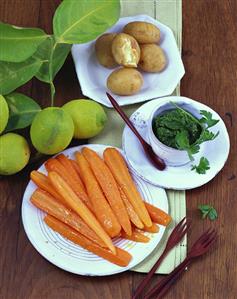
(54, 56)
(22, 110)
(13, 75)
(17, 44)
(82, 21)
(208, 211)
(207, 119)
(28, 52)
(202, 167)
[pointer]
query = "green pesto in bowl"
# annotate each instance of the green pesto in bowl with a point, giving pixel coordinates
(174, 126)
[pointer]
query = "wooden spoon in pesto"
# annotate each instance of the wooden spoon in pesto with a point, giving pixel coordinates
(155, 160)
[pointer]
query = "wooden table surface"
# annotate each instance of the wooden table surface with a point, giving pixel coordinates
(210, 58)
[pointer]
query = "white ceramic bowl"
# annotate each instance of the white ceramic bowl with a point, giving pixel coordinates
(171, 156)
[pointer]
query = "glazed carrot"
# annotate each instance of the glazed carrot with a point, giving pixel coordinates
(101, 208)
(137, 236)
(109, 187)
(118, 167)
(131, 213)
(152, 229)
(68, 165)
(54, 165)
(76, 167)
(42, 181)
(45, 202)
(122, 257)
(75, 203)
(157, 215)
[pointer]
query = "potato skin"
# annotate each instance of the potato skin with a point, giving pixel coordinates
(103, 50)
(125, 81)
(126, 50)
(143, 32)
(152, 59)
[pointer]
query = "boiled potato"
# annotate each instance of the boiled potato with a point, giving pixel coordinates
(103, 50)
(143, 32)
(125, 81)
(152, 59)
(126, 50)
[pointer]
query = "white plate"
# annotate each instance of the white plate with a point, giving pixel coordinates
(179, 178)
(92, 76)
(71, 257)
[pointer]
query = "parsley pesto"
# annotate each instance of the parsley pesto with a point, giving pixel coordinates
(179, 129)
(169, 126)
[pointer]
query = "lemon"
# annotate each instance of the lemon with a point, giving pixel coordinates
(89, 117)
(14, 153)
(4, 113)
(51, 130)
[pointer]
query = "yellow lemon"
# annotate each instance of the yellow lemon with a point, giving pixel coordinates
(51, 130)
(14, 153)
(88, 117)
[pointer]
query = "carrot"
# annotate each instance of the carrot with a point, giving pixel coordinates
(118, 167)
(152, 229)
(122, 257)
(68, 165)
(131, 213)
(137, 236)
(101, 207)
(42, 181)
(45, 202)
(109, 187)
(77, 205)
(157, 215)
(54, 165)
(76, 167)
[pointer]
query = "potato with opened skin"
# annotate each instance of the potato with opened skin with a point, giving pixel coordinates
(126, 50)
(152, 59)
(143, 32)
(125, 81)
(103, 50)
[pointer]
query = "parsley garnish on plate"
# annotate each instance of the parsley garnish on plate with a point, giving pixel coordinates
(208, 211)
(202, 167)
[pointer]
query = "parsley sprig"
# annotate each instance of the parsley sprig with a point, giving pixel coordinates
(208, 211)
(182, 139)
(205, 122)
(202, 167)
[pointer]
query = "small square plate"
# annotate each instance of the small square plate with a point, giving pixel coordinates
(93, 76)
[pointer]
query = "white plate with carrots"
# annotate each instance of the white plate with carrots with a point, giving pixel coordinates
(86, 214)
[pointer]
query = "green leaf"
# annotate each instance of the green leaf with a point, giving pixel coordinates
(212, 214)
(207, 136)
(54, 56)
(207, 119)
(82, 21)
(22, 110)
(182, 140)
(208, 211)
(202, 167)
(13, 75)
(17, 44)
(192, 150)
